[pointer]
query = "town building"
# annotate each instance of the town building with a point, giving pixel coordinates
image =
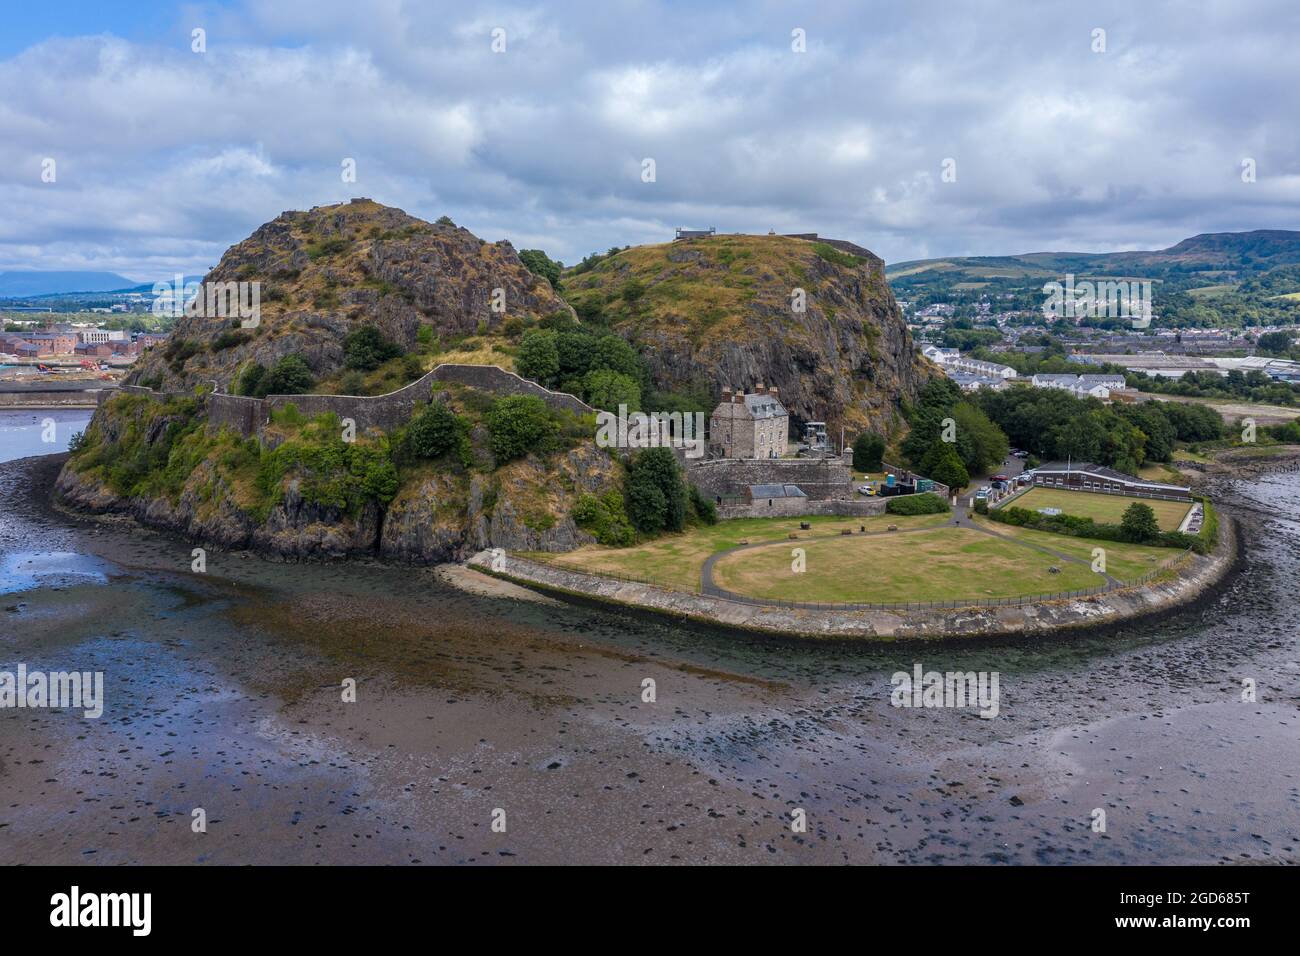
(1085, 476)
(749, 426)
(777, 500)
(1081, 386)
(973, 383)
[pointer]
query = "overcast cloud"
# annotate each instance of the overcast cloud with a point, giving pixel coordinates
(166, 157)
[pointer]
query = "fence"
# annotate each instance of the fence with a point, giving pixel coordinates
(955, 604)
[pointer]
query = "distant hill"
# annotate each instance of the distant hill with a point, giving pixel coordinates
(1218, 255)
(32, 283)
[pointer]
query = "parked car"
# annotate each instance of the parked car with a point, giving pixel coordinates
(1020, 454)
(866, 490)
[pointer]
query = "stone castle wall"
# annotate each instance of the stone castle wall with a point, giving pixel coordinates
(248, 416)
(818, 478)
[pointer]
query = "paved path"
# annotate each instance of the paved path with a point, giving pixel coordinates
(961, 519)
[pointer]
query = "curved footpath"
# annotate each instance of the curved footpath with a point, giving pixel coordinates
(711, 588)
(1199, 578)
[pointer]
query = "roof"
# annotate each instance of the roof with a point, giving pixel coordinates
(1101, 471)
(776, 491)
(764, 406)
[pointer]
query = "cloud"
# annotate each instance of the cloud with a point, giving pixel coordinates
(166, 157)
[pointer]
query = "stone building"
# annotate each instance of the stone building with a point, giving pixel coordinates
(749, 426)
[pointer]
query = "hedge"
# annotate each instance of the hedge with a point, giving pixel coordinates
(922, 504)
(1087, 528)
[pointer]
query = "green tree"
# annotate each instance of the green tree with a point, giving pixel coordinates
(575, 352)
(1275, 343)
(1139, 522)
(366, 348)
(538, 357)
(980, 443)
(943, 464)
(656, 493)
(608, 389)
(434, 431)
(519, 424)
(868, 450)
(539, 263)
(612, 352)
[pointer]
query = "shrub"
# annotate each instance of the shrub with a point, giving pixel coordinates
(705, 511)
(366, 348)
(229, 339)
(326, 247)
(289, 376)
(519, 424)
(249, 379)
(926, 503)
(604, 517)
(435, 431)
(833, 255)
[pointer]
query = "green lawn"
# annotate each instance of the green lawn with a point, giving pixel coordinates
(1108, 509)
(1124, 561)
(944, 564)
(676, 559)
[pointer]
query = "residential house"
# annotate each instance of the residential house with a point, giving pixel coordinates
(749, 426)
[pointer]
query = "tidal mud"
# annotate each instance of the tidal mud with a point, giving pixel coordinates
(224, 691)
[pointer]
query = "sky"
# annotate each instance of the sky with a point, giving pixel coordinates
(915, 129)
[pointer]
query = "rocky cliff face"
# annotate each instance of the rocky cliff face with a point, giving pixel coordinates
(724, 311)
(325, 271)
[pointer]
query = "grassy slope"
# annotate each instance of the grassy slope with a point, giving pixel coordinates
(704, 297)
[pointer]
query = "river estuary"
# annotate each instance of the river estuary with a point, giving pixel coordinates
(223, 692)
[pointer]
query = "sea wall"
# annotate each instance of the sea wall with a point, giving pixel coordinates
(1196, 580)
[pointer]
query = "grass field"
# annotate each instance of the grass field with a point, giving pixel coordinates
(1108, 509)
(944, 564)
(1124, 561)
(676, 559)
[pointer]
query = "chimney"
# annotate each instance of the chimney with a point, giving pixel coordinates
(738, 398)
(759, 389)
(772, 391)
(726, 394)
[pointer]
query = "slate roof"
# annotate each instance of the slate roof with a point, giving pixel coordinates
(776, 491)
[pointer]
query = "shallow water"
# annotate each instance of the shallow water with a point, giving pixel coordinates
(224, 692)
(39, 431)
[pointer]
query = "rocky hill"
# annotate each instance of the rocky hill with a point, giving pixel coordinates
(713, 312)
(328, 270)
